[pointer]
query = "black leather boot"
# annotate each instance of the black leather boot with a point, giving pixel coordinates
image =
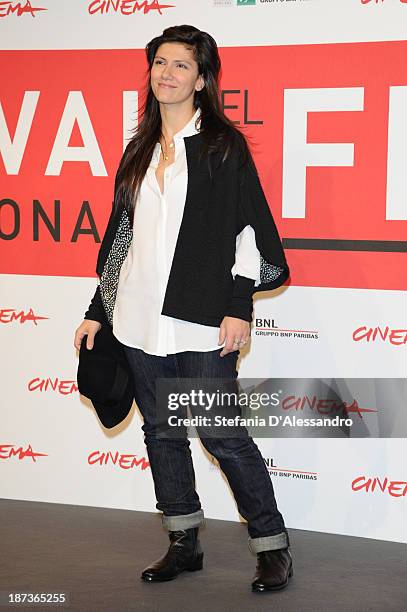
(184, 553)
(274, 568)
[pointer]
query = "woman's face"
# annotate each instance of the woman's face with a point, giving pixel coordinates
(174, 74)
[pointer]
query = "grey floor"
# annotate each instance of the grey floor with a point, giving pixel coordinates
(95, 555)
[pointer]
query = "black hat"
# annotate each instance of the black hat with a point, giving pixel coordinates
(104, 377)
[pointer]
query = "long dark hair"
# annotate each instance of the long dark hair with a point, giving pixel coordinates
(219, 134)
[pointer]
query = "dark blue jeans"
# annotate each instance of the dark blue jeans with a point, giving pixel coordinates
(171, 460)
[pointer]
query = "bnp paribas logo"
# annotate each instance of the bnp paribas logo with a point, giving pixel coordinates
(246, 2)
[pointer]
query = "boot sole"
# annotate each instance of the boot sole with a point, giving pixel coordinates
(195, 566)
(261, 588)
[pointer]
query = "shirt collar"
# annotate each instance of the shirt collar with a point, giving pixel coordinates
(189, 129)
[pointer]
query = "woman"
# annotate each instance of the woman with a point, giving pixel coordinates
(189, 240)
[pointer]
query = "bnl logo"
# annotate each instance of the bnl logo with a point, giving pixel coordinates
(265, 324)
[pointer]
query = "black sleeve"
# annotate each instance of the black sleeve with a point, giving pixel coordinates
(255, 211)
(96, 311)
(241, 302)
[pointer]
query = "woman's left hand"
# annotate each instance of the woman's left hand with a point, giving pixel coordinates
(236, 332)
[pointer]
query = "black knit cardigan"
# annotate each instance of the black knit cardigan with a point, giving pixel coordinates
(201, 288)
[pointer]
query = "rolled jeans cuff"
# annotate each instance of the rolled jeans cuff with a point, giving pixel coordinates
(183, 521)
(273, 542)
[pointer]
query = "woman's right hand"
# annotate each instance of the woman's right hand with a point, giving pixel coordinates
(89, 328)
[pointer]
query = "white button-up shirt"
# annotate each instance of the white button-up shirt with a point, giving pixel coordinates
(137, 318)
